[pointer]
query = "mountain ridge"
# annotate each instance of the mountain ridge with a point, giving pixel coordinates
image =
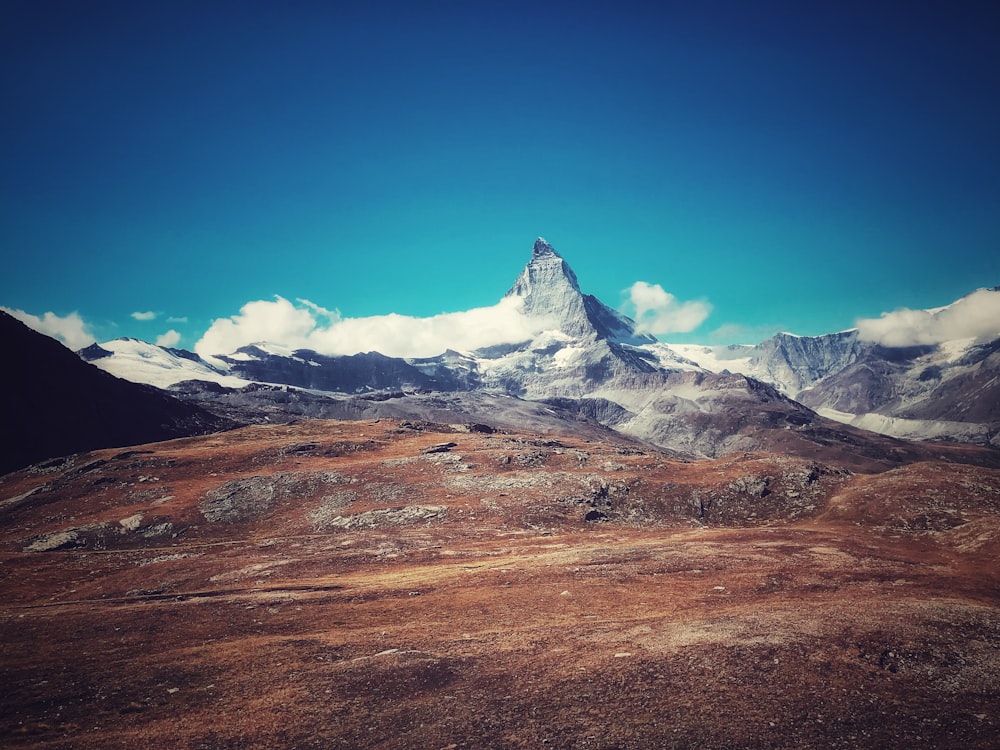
(586, 350)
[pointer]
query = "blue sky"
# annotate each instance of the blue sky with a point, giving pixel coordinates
(792, 167)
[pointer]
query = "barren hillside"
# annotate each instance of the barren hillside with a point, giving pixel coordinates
(410, 585)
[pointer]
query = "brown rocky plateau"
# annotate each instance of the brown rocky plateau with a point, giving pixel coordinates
(396, 584)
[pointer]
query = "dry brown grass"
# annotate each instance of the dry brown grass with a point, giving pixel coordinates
(754, 601)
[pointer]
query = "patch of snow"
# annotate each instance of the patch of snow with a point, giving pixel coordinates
(271, 348)
(669, 358)
(911, 429)
(567, 356)
(953, 350)
(734, 358)
(141, 362)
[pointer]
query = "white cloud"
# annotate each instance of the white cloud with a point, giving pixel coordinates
(177, 319)
(974, 316)
(318, 311)
(71, 330)
(278, 321)
(308, 326)
(149, 315)
(170, 338)
(657, 311)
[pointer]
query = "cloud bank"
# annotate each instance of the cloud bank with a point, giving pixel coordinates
(974, 316)
(169, 339)
(657, 311)
(304, 325)
(71, 330)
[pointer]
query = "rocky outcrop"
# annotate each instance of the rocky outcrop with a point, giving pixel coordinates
(247, 498)
(796, 362)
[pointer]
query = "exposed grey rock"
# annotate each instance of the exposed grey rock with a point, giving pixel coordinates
(91, 535)
(752, 486)
(54, 541)
(405, 516)
(248, 497)
(238, 500)
(440, 448)
(331, 508)
(796, 362)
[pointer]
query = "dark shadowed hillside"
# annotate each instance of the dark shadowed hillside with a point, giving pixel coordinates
(53, 403)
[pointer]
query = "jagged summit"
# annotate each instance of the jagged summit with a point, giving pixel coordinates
(542, 249)
(545, 277)
(550, 289)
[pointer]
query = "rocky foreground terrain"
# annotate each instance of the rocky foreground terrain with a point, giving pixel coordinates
(393, 584)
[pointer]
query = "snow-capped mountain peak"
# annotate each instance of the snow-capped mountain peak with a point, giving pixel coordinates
(549, 289)
(546, 281)
(542, 249)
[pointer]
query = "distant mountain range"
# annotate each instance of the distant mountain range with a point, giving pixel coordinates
(591, 361)
(948, 391)
(587, 370)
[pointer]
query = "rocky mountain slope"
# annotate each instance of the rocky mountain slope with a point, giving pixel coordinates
(945, 391)
(54, 404)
